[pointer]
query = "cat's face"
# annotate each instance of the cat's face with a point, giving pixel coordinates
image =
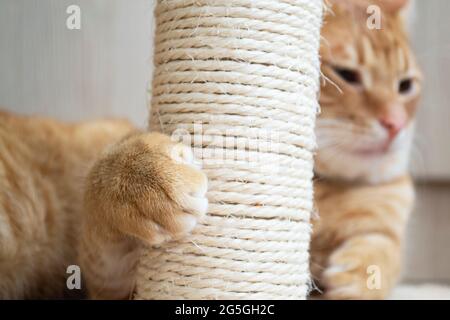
(368, 103)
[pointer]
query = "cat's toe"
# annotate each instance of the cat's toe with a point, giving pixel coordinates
(195, 205)
(182, 154)
(341, 284)
(347, 276)
(190, 187)
(184, 224)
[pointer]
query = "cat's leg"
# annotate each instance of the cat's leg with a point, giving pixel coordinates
(357, 240)
(143, 190)
(365, 266)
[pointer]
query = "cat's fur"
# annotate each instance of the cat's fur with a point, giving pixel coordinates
(130, 188)
(364, 132)
(140, 188)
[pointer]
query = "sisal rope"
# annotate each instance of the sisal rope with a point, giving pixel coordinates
(239, 79)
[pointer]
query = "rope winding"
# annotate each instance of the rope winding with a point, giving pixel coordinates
(246, 72)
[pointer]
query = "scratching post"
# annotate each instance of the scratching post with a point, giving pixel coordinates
(239, 79)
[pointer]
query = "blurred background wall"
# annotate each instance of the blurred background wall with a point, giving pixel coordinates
(104, 69)
(428, 256)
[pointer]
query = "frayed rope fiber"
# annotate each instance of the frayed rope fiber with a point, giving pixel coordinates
(240, 79)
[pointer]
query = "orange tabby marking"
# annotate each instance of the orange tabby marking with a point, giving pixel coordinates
(140, 189)
(364, 133)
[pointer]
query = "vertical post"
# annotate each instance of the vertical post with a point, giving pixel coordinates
(239, 80)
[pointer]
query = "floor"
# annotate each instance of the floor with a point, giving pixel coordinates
(421, 292)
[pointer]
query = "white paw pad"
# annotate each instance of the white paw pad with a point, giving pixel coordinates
(181, 154)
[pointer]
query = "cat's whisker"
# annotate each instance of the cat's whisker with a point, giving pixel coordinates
(334, 84)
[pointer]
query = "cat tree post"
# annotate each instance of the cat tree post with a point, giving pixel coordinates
(240, 79)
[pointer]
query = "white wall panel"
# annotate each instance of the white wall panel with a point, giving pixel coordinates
(101, 70)
(431, 39)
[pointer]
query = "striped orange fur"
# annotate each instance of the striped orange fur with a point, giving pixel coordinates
(93, 193)
(88, 194)
(363, 191)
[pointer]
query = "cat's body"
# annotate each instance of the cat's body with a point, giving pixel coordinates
(44, 167)
(363, 192)
(91, 194)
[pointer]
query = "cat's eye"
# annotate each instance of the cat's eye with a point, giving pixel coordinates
(405, 86)
(350, 76)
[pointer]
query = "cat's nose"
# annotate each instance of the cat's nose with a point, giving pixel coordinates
(393, 124)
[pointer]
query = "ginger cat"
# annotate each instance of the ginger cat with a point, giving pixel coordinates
(91, 194)
(363, 191)
(140, 189)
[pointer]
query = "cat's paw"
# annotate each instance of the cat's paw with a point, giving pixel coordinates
(359, 269)
(186, 190)
(150, 188)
